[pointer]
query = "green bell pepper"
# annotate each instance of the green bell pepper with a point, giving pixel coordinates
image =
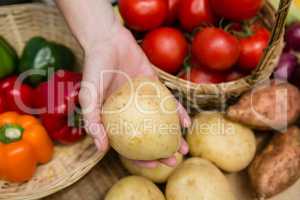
(44, 58)
(8, 59)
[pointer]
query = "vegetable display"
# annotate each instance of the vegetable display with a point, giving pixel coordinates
(221, 37)
(237, 10)
(253, 47)
(134, 187)
(193, 13)
(143, 15)
(277, 167)
(219, 142)
(292, 37)
(198, 179)
(24, 143)
(271, 106)
(41, 56)
(15, 95)
(286, 67)
(201, 41)
(8, 59)
(60, 97)
(166, 48)
(215, 49)
(159, 174)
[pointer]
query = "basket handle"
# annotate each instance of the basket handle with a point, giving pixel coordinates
(277, 32)
(281, 16)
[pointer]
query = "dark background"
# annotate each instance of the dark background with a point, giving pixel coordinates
(7, 2)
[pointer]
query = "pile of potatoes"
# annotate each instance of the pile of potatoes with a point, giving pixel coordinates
(142, 124)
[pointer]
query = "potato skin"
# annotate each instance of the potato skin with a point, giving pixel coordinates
(227, 144)
(278, 166)
(159, 174)
(134, 188)
(141, 120)
(257, 108)
(198, 179)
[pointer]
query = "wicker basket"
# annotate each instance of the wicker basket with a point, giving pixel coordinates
(211, 96)
(18, 24)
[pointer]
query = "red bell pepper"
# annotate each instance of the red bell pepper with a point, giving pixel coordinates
(60, 97)
(10, 95)
(60, 130)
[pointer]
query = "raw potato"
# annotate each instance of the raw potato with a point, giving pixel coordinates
(159, 174)
(273, 106)
(227, 144)
(278, 166)
(198, 179)
(141, 120)
(134, 188)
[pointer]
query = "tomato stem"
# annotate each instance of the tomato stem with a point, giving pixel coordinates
(186, 63)
(11, 133)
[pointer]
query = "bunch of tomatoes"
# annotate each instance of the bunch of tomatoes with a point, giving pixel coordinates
(203, 41)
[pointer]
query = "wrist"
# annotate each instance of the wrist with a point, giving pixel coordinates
(100, 38)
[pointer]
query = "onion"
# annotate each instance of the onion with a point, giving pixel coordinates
(292, 36)
(286, 66)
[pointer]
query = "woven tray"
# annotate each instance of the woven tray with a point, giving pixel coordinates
(18, 24)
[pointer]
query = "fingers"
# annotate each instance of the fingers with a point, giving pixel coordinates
(171, 162)
(95, 129)
(146, 164)
(92, 122)
(184, 148)
(185, 119)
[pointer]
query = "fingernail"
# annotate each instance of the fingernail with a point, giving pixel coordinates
(184, 149)
(170, 161)
(187, 123)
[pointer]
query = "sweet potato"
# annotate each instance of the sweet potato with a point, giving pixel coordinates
(278, 166)
(272, 106)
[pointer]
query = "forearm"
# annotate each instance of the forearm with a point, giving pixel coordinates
(92, 21)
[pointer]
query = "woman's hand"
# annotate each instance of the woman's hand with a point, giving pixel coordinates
(111, 56)
(107, 67)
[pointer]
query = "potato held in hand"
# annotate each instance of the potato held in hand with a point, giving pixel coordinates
(159, 174)
(227, 144)
(273, 106)
(141, 120)
(278, 166)
(198, 179)
(134, 188)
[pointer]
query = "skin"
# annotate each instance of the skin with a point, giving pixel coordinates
(107, 46)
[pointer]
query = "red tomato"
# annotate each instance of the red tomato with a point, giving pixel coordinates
(193, 13)
(216, 49)
(252, 48)
(237, 10)
(234, 75)
(166, 48)
(173, 11)
(143, 15)
(201, 75)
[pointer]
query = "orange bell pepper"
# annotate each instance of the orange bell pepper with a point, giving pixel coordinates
(24, 143)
